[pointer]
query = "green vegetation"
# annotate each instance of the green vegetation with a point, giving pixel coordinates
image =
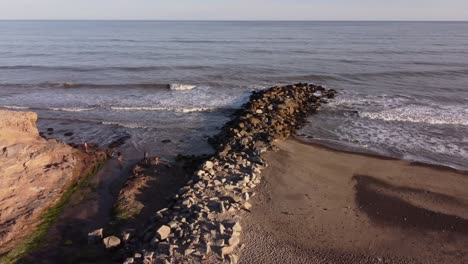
(49, 217)
(123, 213)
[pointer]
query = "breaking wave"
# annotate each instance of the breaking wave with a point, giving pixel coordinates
(181, 87)
(169, 86)
(124, 108)
(124, 124)
(71, 109)
(448, 115)
(166, 108)
(14, 107)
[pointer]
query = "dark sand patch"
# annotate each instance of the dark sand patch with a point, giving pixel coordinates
(388, 204)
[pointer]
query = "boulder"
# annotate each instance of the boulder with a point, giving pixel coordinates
(236, 227)
(163, 232)
(95, 236)
(129, 261)
(227, 250)
(208, 165)
(247, 206)
(111, 242)
(234, 241)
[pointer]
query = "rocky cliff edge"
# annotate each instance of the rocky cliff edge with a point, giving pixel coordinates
(34, 173)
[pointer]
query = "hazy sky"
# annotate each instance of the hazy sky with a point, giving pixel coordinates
(236, 9)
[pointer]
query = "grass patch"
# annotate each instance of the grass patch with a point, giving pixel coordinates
(123, 213)
(48, 218)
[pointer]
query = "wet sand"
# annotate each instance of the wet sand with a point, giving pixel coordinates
(89, 209)
(92, 207)
(317, 205)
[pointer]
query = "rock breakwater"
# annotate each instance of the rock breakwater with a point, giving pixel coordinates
(202, 222)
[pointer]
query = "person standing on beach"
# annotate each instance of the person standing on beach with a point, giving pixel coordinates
(120, 159)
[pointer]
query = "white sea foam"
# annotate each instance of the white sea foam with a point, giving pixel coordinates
(448, 115)
(15, 107)
(194, 109)
(124, 124)
(380, 101)
(163, 108)
(71, 109)
(177, 86)
(432, 130)
(401, 141)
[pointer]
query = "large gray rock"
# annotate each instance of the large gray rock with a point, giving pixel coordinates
(237, 227)
(95, 236)
(129, 261)
(111, 242)
(208, 165)
(163, 232)
(234, 240)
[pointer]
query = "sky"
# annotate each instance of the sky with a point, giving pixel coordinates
(235, 9)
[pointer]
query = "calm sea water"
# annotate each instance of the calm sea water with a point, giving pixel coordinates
(403, 86)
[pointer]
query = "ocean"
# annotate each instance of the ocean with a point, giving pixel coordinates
(403, 86)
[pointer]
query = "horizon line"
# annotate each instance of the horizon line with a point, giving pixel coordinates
(237, 20)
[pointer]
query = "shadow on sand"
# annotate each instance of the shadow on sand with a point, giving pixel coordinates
(382, 202)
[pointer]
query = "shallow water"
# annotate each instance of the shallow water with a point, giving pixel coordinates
(403, 85)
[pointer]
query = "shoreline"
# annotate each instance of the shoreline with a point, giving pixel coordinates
(440, 167)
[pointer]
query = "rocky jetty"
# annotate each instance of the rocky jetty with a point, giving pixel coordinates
(202, 223)
(34, 173)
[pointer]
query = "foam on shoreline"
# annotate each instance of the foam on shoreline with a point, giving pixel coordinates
(419, 114)
(164, 108)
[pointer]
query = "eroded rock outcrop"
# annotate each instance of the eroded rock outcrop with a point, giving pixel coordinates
(34, 173)
(202, 223)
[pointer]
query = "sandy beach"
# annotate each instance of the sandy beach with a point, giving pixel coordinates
(317, 205)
